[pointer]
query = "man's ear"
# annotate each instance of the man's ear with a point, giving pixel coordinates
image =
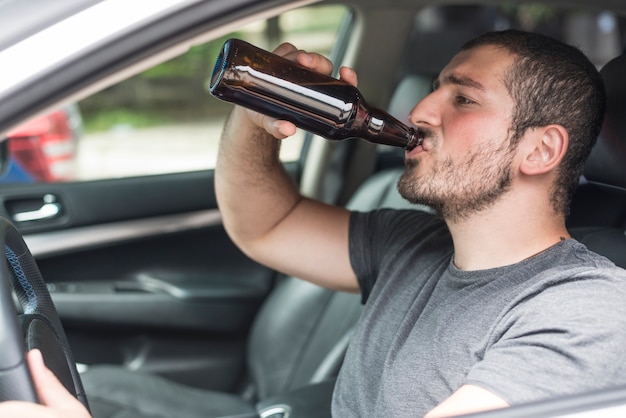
(545, 149)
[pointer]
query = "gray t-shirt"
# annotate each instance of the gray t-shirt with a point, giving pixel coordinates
(550, 325)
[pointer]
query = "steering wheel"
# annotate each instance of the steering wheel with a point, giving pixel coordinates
(38, 326)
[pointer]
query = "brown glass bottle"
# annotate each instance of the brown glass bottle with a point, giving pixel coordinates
(280, 88)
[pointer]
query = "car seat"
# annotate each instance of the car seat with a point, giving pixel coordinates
(605, 174)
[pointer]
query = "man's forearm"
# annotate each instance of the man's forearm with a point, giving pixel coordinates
(253, 189)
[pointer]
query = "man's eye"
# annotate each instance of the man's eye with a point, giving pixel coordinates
(464, 100)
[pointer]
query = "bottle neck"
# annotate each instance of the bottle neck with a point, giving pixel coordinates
(382, 128)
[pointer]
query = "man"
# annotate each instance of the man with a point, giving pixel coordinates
(487, 305)
(493, 303)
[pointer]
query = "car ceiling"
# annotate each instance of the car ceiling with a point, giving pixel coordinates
(20, 19)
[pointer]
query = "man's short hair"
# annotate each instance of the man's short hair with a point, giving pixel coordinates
(552, 83)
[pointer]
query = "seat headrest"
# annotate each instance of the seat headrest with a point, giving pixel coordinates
(607, 163)
(410, 90)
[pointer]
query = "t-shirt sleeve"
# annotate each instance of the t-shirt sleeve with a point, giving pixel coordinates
(375, 234)
(564, 340)
(364, 253)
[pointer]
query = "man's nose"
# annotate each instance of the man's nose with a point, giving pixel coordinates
(427, 111)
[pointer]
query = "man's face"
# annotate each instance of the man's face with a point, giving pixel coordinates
(464, 164)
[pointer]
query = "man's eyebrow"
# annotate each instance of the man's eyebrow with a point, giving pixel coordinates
(458, 80)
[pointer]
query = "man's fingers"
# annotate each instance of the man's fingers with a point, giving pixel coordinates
(279, 129)
(50, 390)
(311, 60)
(21, 409)
(55, 394)
(283, 128)
(348, 75)
(285, 49)
(316, 62)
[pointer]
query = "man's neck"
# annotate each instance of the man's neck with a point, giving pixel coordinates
(503, 236)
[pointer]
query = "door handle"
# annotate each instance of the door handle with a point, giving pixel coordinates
(48, 210)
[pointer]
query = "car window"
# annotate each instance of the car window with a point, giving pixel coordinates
(160, 121)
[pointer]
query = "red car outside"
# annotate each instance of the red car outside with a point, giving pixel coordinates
(44, 149)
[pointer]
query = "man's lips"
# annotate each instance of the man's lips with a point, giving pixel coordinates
(417, 150)
(421, 135)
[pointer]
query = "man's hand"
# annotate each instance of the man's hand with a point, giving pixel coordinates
(56, 401)
(281, 129)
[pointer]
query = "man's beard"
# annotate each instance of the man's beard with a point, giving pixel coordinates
(457, 190)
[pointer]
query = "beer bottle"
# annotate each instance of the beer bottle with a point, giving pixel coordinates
(283, 89)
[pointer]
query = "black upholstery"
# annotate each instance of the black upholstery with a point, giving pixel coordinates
(116, 392)
(607, 162)
(606, 168)
(294, 334)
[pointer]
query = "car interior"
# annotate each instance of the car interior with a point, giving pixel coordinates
(291, 335)
(297, 340)
(318, 321)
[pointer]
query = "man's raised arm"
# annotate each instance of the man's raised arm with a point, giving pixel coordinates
(262, 209)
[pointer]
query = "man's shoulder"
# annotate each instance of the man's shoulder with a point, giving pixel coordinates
(586, 263)
(574, 278)
(581, 281)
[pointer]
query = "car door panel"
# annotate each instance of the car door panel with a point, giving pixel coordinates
(97, 202)
(143, 273)
(195, 280)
